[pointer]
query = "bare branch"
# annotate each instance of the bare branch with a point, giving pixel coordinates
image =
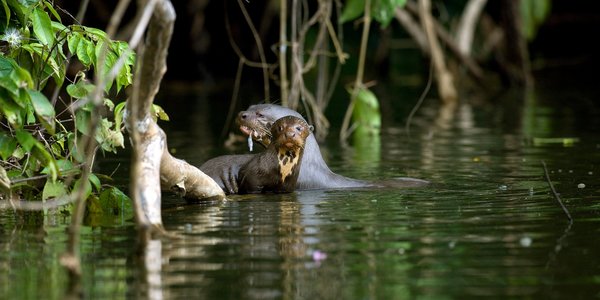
(466, 25)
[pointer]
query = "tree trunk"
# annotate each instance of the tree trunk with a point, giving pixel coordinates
(152, 165)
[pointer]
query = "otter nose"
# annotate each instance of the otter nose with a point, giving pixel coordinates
(243, 115)
(290, 134)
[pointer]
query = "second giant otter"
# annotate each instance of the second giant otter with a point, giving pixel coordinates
(274, 170)
(315, 174)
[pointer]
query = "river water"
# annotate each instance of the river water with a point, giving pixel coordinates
(488, 224)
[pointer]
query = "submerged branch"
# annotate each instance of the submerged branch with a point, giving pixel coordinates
(555, 194)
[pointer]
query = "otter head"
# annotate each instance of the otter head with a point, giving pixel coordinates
(288, 138)
(258, 119)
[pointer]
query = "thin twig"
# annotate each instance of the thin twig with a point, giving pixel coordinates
(556, 196)
(37, 205)
(358, 84)
(421, 99)
(259, 47)
(234, 96)
(283, 53)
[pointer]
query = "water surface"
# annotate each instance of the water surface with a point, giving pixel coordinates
(486, 226)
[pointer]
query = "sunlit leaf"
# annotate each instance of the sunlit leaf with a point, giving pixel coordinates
(8, 144)
(82, 52)
(43, 109)
(119, 114)
(52, 10)
(109, 104)
(58, 27)
(53, 189)
(73, 41)
(160, 112)
(42, 27)
(96, 33)
(109, 61)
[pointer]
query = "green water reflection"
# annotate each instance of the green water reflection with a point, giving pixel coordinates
(487, 226)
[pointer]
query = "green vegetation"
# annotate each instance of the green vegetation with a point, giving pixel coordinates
(46, 102)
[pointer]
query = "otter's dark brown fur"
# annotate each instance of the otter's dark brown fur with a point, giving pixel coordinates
(274, 170)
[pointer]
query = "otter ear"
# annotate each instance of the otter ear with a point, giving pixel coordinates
(311, 128)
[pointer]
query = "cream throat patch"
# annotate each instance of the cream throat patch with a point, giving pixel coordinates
(287, 160)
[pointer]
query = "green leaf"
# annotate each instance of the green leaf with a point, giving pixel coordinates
(42, 27)
(6, 66)
(10, 85)
(109, 61)
(119, 115)
(95, 182)
(26, 140)
(85, 185)
(80, 89)
(366, 115)
(73, 41)
(116, 202)
(109, 104)
(59, 27)
(96, 33)
(110, 208)
(73, 148)
(383, 10)
(66, 167)
(53, 189)
(8, 144)
(6, 12)
(52, 10)
(43, 109)
(352, 10)
(159, 112)
(82, 120)
(12, 112)
(19, 9)
(82, 52)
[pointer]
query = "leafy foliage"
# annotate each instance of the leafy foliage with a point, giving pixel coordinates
(381, 10)
(36, 138)
(534, 13)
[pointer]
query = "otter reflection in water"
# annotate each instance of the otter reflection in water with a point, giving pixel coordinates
(274, 170)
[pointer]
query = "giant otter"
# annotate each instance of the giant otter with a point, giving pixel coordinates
(315, 174)
(274, 170)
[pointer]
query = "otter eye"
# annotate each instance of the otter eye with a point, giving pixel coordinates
(280, 128)
(299, 128)
(259, 115)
